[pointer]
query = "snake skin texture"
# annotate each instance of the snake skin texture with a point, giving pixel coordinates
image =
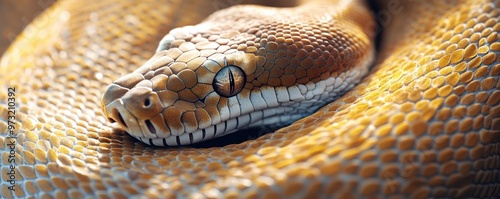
(424, 123)
(244, 67)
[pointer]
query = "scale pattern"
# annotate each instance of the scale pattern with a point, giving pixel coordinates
(424, 123)
(291, 62)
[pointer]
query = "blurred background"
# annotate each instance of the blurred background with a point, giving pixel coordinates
(15, 15)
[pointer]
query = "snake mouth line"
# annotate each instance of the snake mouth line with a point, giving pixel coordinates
(273, 116)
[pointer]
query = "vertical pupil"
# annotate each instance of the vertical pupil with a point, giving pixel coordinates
(231, 82)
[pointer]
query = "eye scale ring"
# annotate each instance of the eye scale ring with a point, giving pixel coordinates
(229, 81)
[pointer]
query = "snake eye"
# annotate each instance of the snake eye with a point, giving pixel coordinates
(229, 81)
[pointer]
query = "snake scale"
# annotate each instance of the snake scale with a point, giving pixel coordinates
(424, 122)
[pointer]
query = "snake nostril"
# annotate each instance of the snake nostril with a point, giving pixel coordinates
(147, 102)
(150, 126)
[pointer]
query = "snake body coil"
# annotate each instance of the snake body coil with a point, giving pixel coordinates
(423, 123)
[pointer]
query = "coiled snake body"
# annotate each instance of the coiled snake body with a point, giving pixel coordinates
(423, 123)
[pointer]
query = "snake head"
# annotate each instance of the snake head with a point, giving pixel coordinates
(215, 78)
(191, 90)
(182, 95)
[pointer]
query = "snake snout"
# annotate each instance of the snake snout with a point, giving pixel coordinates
(134, 109)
